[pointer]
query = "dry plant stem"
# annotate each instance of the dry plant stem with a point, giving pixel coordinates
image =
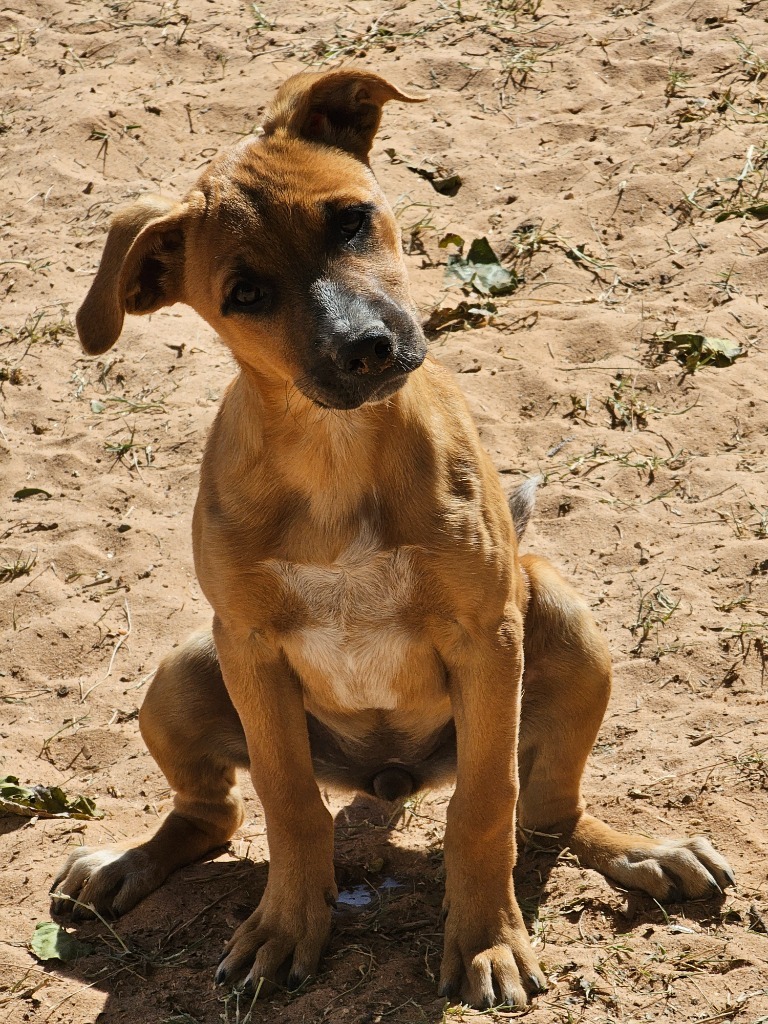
(118, 644)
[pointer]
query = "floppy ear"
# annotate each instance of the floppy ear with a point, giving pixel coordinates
(141, 270)
(338, 108)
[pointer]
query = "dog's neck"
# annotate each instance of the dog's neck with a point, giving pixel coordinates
(330, 456)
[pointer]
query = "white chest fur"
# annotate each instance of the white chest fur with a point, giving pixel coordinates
(356, 641)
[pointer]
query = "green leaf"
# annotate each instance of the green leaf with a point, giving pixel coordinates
(29, 492)
(759, 211)
(51, 942)
(481, 252)
(43, 801)
(481, 270)
(97, 406)
(451, 239)
(696, 350)
(721, 348)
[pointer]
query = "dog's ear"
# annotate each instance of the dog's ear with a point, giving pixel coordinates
(338, 108)
(141, 269)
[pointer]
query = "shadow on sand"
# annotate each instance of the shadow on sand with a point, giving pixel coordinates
(157, 963)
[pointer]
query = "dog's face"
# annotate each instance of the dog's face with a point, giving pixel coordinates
(286, 246)
(304, 278)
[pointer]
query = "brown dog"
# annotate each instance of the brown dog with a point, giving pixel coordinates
(373, 625)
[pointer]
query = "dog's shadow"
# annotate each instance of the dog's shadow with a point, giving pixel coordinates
(157, 962)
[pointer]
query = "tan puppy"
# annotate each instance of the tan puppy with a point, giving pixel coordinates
(373, 623)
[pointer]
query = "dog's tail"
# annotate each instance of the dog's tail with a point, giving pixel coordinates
(522, 502)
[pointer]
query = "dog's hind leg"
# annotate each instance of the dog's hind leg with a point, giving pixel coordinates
(193, 732)
(566, 686)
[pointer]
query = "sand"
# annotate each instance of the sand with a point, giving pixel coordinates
(614, 157)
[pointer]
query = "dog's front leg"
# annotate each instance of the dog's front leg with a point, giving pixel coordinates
(292, 922)
(487, 958)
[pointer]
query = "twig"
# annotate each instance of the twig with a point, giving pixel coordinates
(693, 771)
(90, 907)
(120, 641)
(69, 724)
(186, 924)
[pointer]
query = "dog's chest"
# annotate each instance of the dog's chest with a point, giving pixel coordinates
(354, 635)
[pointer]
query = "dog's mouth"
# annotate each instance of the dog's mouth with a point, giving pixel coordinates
(331, 388)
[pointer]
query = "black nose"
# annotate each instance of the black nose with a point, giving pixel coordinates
(373, 352)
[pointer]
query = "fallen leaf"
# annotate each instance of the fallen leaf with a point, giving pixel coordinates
(456, 318)
(481, 270)
(451, 239)
(759, 211)
(442, 180)
(695, 350)
(29, 492)
(51, 942)
(43, 801)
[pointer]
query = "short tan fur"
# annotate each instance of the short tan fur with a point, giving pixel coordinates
(374, 627)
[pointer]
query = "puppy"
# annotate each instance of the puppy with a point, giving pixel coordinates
(374, 627)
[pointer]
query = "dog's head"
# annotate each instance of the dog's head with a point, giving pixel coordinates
(286, 246)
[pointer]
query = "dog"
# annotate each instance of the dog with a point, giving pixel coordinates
(374, 626)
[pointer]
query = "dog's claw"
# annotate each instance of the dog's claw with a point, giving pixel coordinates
(221, 975)
(448, 990)
(730, 878)
(296, 979)
(535, 984)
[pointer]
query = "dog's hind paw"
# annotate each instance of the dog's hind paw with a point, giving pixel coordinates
(107, 881)
(673, 869)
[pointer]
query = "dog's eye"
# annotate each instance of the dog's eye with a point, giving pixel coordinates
(247, 295)
(351, 222)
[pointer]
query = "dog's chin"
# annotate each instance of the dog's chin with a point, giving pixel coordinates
(348, 398)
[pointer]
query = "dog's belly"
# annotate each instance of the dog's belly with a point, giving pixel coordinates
(359, 643)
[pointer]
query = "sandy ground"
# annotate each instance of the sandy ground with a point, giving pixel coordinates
(600, 149)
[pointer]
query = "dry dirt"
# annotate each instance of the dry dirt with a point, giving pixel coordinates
(614, 155)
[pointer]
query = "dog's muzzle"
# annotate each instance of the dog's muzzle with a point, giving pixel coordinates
(366, 345)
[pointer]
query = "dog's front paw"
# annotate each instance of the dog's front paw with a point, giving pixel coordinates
(674, 869)
(289, 930)
(488, 958)
(108, 881)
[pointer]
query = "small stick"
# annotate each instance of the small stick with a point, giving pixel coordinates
(115, 649)
(186, 924)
